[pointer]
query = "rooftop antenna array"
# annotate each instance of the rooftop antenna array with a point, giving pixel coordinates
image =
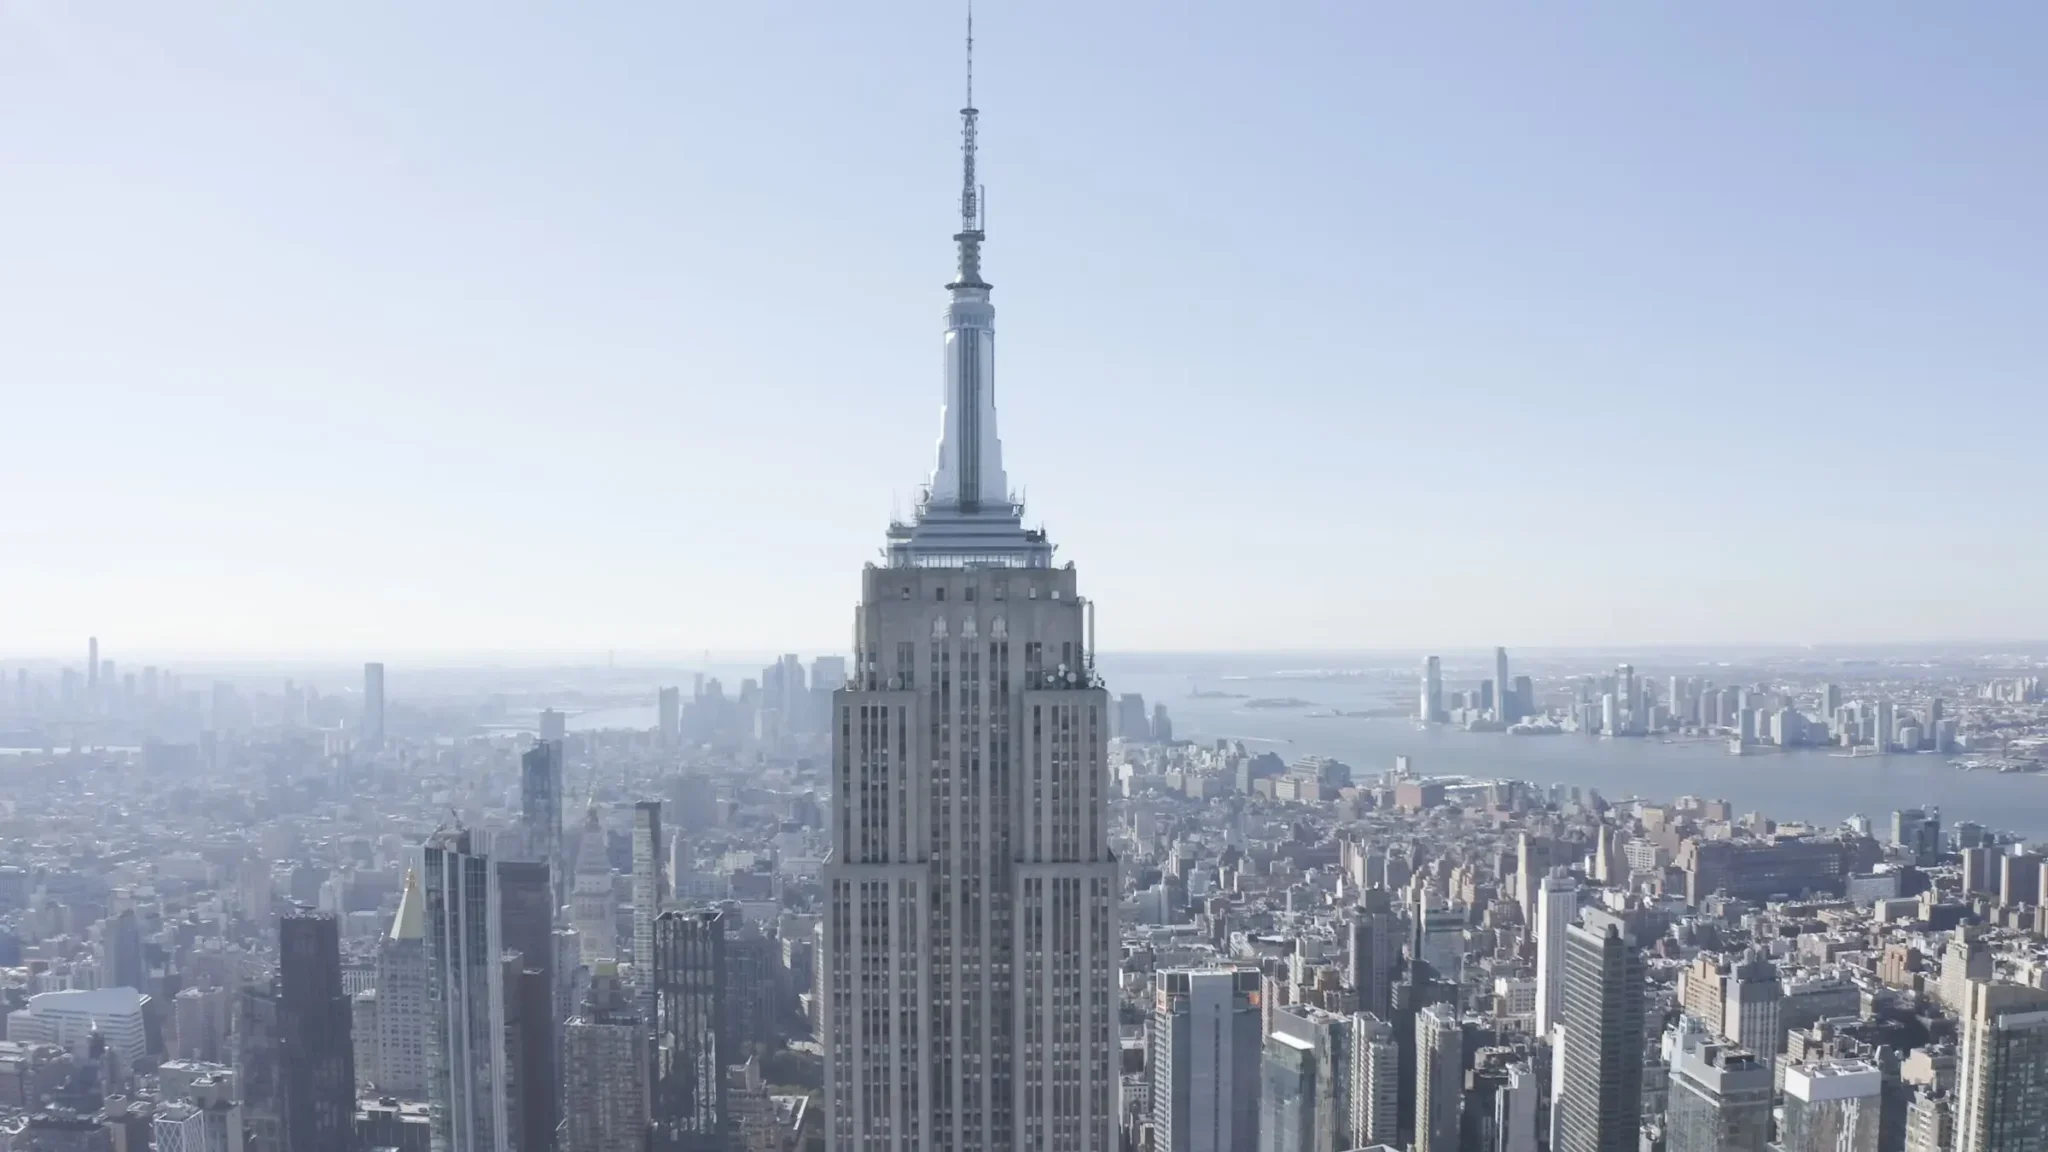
(970, 192)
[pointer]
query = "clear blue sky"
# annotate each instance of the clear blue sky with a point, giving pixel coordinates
(382, 327)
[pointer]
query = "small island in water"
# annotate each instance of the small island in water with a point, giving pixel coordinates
(1386, 713)
(1279, 702)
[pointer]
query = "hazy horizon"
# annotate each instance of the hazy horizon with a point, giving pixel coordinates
(399, 660)
(652, 575)
(475, 328)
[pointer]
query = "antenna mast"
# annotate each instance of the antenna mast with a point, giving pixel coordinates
(970, 214)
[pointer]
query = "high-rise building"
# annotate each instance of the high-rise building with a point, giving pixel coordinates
(1930, 736)
(1439, 1078)
(606, 1053)
(1501, 1098)
(1720, 1096)
(649, 893)
(526, 921)
(530, 1021)
(1375, 953)
(1133, 722)
(792, 694)
(670, 733)
(1440, 936)
(571, 977)
(690, 1112)
(1606, 856)
(1967, 958)
(526, 925)
(256, 1067)
(1332, 1051)
(518, 987)
(1375, 1088)
(1534, 857)
(1930, 1121)
(554, 726)
(1924, 844)
(1557, 907)
(403, 1022)
(1599, 1098)
(124, 951)
(373, 704)
(682, 878)
(469, 1080)
(749, 988)
(971, 942)
(540, 803)
(1418, 989)
(92, 667)
(1752, 1007)
(178, 1126)
(1504, 703)
(1431, 708)
(2019, 879)
(316, 1054)
(593, 908)
(1831, 1104)
(828, 673)
(1978, 874)
(203, 1019)
(1703, 989)
(1205, 1050)
(2002, 1070)
(1287, 1095)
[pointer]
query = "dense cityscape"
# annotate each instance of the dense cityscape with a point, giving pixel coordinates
(238, 914)
(958, 888)
(1894, 710)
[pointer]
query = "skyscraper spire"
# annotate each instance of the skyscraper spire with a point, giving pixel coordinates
(969, 479)
(966, 513)
(970, 192)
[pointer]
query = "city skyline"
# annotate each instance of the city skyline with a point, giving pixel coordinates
(346, 664)
(327, 309)
(966, 885)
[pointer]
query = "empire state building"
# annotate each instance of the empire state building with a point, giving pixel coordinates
(971, 946)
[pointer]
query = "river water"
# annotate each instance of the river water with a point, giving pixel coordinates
(1801, 784)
